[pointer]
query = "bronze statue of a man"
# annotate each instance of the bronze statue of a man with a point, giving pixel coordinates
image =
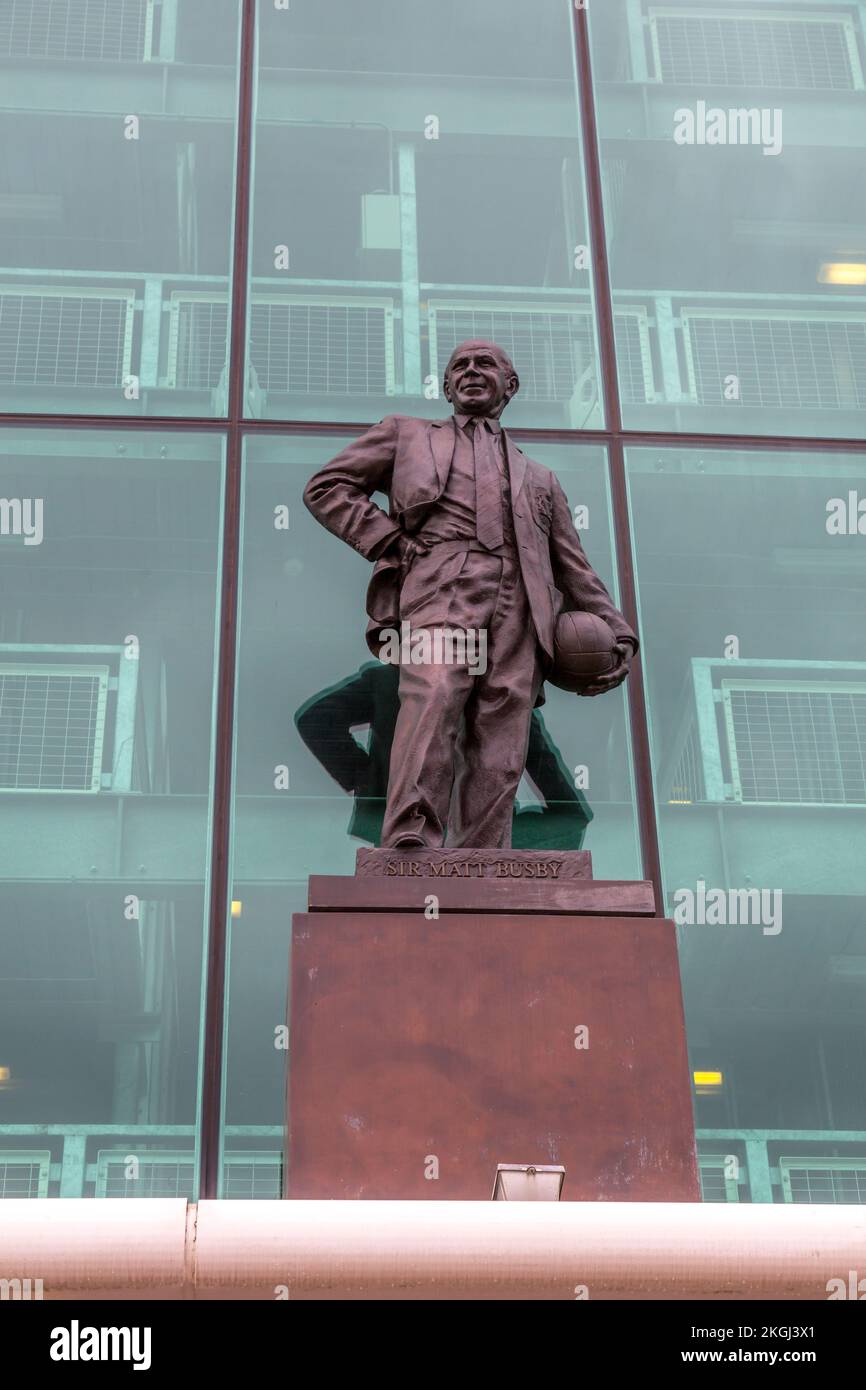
(478, 538)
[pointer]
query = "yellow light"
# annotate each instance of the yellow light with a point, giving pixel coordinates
(679, 796)
(237, 907)
(842, 273)
(5, 1074)
(706, 1081)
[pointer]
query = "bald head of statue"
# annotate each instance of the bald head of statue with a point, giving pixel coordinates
(480, 379)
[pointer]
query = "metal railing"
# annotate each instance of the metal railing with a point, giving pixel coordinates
(794, 1166)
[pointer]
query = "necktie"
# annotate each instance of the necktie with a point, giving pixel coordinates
(488, 489)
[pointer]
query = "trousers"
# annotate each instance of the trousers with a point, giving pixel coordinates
(461, 735)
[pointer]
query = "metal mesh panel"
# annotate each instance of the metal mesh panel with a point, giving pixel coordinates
(24, 1175)
(298, 348)
(87, 29)
(51, 729)
(63, 340)
(305, 349)
(257, 1179)
(753, 51)
(202, 339)
(551, 351)
(805, 746)
(164, 1175)
(714, 1185)
(634, 388)
(154, 1178)
(838, 1186)
(803, 363)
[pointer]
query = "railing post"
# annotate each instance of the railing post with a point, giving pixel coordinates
(72, 1169)
(666, 334)
(758, 1170)
(708, 730)
(168, 31)
(636, 43)
(151, 329)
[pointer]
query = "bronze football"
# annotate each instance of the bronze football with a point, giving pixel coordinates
(582, 650)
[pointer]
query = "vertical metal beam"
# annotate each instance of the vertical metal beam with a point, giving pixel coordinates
(666, 335)
(72, 1171)
(637, 706)
(125, 1090)
(758, 1170)
(824, 1076)
(636, 690)
(708, 730)
(124, 722)
(151, 330)
(409, 270)
(212, 1036)
(168, 31)
(595, 212)
(636, 41)
(855, 37)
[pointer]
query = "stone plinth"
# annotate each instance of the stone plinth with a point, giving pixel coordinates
(440, 1026)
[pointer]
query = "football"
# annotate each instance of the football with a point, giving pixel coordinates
(582, 650)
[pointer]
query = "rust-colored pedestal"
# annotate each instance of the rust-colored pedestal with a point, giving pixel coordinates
(424, 1051)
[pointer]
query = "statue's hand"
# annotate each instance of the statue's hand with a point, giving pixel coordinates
(405, 550)
(624, 652)
(399, 548)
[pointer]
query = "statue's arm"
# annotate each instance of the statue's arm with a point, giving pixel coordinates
(339, 494)
(573, 573)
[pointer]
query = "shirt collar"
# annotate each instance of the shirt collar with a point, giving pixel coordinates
(463, 421)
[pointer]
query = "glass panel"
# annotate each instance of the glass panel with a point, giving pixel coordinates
(741, 128)
(116, 205)
(417, 182)
(109, 568)
(751, 576)
(310, 697)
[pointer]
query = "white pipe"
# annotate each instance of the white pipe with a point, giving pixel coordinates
(96, 1249)
(138, 1249)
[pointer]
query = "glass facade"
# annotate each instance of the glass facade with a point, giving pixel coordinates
(656, 209)
(111, 588)
(753, 613)
(417, 184)
(747, 278)
(116, 205)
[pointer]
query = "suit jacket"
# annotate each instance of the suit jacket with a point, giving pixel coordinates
(409, 461)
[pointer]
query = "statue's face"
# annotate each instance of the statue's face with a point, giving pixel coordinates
(479, 380)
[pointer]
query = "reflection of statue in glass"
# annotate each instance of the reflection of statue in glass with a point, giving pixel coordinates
(369, 700)
(478, 540)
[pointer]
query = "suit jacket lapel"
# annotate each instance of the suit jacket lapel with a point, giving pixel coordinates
(426, 478)
(442, 444)
(516, 467)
